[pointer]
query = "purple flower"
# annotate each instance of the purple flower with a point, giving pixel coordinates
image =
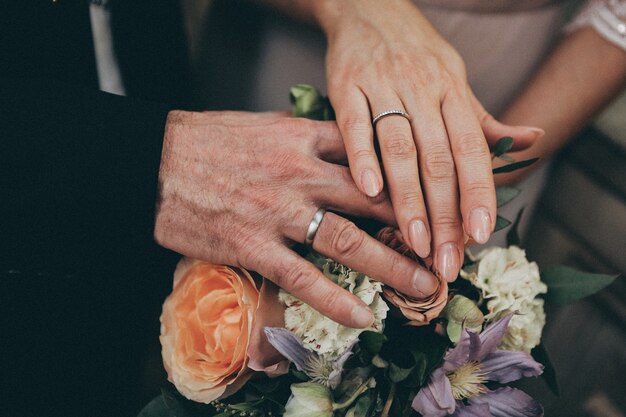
(458, 388)
(319, 368)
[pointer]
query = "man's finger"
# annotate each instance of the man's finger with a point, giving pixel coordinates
(343, 241)
(300, 278)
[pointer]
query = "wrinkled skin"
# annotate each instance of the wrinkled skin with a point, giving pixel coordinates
(240, 188)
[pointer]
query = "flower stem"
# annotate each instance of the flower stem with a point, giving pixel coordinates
(360, 390)
(390, 397)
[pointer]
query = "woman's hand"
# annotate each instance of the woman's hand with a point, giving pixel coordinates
(386, 56)
(240, 188)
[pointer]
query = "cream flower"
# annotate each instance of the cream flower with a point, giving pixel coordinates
(524, 332)
(318, 332)
(510, 283)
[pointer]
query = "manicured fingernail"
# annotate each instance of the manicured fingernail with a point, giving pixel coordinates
(480, 225)
(537, 131)
(370, 184)
(420, 238)
(362, 316)
(424, 282)
(448, 261)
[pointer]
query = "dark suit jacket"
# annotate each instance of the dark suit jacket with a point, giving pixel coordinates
(81, 280)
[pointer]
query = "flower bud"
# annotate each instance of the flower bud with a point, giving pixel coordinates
(309, 399)
(461, 312)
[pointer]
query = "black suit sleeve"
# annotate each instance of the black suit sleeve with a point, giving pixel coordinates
(79, 172)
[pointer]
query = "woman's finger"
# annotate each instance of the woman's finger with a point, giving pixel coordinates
(344, 242)
(524, 136)
(338, 193)
(399, 156)
(302, 279)
(353, 119)
(473, 166)
(439, 180)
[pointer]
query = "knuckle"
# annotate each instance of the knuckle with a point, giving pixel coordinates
(474, 147)
(399, 145)
(412, 199)
(480, 189)
(286, 165)
(446, 222)
(347, 239)
(298, 279)
(363, 154)
(357, 127)
(439, 165)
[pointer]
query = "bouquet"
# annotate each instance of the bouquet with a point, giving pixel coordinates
(236, 345)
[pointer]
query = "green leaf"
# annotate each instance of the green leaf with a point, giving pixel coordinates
(504, 195)
(266, 385)
(501, 223)
(503, 145)
(540, 354)
(506, 158)
(397, 374)
(156, 408)
(512, 237)
(372, 342)
(309, 103)
(566, 285)
(515, 166)
(361, 407)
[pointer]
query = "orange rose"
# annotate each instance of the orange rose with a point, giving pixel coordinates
(419, 312)
(205, 329)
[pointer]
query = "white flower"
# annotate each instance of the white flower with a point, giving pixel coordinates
(318, 332)
(510, 283)
(524, 332)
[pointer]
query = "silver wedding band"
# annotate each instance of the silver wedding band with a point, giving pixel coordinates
(394, 112)
(313, 226)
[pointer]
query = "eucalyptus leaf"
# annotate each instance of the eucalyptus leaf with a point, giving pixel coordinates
(515, 166)
(372, 342)
(512, 237)
(156, 408)
(502, 146)
(501, 223)
(540, 354)
(506, 157)
(566, 285)
(505, 195)
(397, 374)
(361, 407)
(178, 406)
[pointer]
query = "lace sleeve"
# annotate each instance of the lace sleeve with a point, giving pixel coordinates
(608, 17)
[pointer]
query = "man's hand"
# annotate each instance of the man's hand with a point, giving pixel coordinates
(240, 188)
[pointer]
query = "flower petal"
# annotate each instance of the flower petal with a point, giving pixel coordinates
(505, 366)
(435, 399)
(334, 379)
(289, 345)
(492, 336)
(477, 410)
(270, 313)
(509, 402)
(459, 355)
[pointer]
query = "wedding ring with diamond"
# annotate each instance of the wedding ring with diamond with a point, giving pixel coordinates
(394, 112)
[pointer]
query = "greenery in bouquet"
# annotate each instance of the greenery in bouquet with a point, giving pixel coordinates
(236, 345)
